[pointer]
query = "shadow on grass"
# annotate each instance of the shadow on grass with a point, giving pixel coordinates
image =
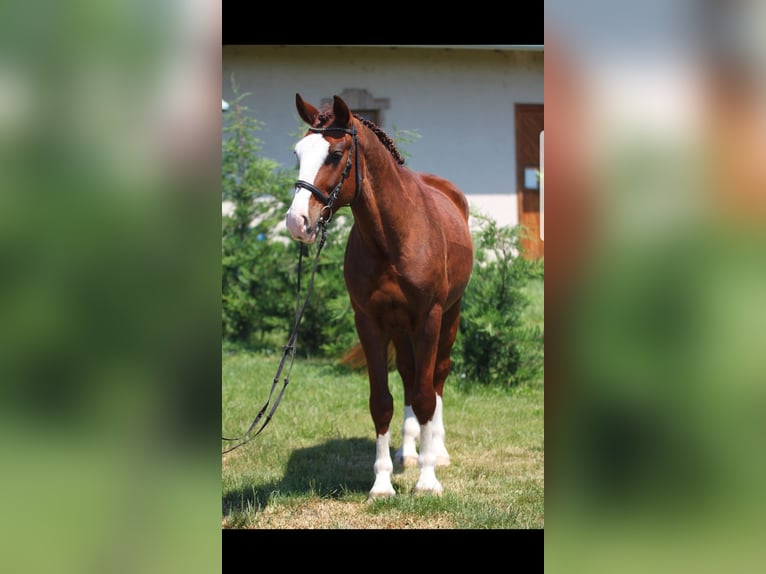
(334, 469)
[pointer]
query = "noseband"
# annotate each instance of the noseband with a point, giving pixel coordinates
(329, 200)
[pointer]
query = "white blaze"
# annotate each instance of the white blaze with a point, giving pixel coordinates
(312, 152)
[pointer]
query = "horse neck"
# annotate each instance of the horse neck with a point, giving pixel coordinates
(381, 214)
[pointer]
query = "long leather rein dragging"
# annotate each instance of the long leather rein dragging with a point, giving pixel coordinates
(289, 348)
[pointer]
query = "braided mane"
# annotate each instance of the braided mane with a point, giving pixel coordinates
(326, 117)
(383, 137)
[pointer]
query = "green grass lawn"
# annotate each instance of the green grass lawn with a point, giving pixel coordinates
(312, 465)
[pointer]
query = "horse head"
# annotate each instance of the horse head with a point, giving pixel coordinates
(329, 175)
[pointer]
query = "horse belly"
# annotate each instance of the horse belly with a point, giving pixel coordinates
(389, 308)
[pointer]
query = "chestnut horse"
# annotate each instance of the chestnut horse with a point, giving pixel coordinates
(408, 260)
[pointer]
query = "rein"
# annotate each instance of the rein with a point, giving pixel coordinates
(289, 349)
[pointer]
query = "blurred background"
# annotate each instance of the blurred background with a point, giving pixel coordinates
(110, 289)
(655, 285)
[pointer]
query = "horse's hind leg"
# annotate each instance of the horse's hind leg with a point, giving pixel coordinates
(424, 400)
(407, 455)
(450, 323)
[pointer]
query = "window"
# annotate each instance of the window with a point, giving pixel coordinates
(363, 103)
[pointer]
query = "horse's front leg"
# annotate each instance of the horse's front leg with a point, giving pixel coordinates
(381, 404)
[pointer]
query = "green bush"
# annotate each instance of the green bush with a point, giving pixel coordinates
(260, 262)
(495, 345)
(257, 269)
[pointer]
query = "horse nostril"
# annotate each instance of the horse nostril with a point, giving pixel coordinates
(305, 222)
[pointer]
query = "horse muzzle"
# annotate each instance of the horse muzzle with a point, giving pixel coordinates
(299, 227)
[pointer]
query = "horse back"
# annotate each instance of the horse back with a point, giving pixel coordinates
(449, 189)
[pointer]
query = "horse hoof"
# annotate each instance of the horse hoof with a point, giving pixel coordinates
(431, 487)
(428, 491)
(374, 494)
(409, 461)
(442, 461)
(405, 461)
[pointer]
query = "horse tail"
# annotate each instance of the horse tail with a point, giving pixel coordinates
(356, 360)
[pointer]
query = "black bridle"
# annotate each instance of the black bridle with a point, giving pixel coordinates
(289, 348)
(329, 200)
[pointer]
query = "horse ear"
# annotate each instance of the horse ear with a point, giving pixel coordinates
(306, 111)
(341, 111)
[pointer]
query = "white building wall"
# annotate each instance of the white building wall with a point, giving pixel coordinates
(460, 101)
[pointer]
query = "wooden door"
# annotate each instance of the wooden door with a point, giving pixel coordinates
(529, 124)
